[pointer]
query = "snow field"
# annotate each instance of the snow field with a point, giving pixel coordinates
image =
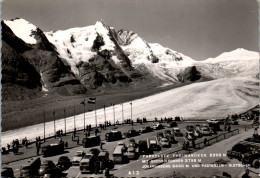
(217, 98)
(22, 29)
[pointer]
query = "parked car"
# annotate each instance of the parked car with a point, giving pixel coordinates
(241, 148)
(91, 141)
(121, 144)
(167, 133)
(159, 135)
(205, 130)
(145, 129)
(132, 143)
(53, 149)
(64, 163)
(165, 142)
(177, 132)
(197, 133)
(119, 154)
(113, 136)
(87, 163)
(143, 148)
(190, 135)
(7, 172)
(31, 168)
(153, 145)
(131, 133)
(78, 157)
(172, 139)
(157, 126)
(104, 160)
(171, 124)
(190, 128)
(131, 153)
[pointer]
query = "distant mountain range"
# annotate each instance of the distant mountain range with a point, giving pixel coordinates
(85, 59)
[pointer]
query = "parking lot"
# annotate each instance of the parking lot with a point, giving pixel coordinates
(74, 171)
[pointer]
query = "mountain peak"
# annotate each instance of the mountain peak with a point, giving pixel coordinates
(22, 29)
(237, 54)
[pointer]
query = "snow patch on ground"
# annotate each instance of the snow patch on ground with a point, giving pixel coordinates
(22, 29)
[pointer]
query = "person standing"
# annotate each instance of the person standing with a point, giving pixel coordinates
(101, 145)
(8, 147)
(66, 144)
(205, 141)
(193, 143)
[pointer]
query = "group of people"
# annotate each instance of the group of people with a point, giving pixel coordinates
(59, 133)
(186, 144)
(15, 146)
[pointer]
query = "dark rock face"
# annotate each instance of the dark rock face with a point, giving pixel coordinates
(100, 71)
(19, 77)
(29, 66)
(189, 74)
(16, 43)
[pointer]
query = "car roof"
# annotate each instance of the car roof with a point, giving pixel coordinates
(114, 131)
(87, 156)
(103, 153)
(153, 141)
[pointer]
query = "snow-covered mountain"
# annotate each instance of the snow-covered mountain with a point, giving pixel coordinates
(239, 62)
(30, 64)
(75, 46)
(99, 56)
(235, 55)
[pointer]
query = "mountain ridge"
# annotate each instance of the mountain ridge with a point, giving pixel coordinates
(98, 56)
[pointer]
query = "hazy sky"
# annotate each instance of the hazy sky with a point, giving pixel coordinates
(197, 28)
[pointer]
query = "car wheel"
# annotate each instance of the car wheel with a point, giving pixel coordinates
(256, 163)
